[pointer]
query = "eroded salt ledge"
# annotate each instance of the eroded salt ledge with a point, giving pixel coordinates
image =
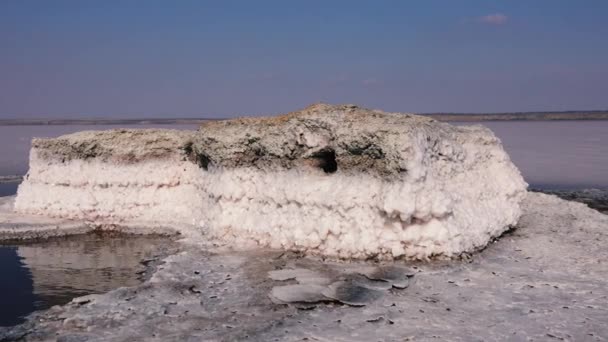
(338, 181)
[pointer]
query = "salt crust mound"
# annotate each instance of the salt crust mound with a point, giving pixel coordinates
(339, 181)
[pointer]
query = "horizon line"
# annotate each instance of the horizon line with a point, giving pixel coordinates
(202, 118)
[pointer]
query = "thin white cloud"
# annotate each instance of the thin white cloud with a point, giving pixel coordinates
(493, 19)
(370, 82)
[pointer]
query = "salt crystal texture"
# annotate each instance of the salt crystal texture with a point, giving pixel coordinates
(338, 181)
(123, 178)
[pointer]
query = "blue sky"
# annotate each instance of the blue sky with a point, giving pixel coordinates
(84, 58)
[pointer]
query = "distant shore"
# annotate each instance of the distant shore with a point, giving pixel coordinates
(10, 179)
(448, 117)
(523, 116)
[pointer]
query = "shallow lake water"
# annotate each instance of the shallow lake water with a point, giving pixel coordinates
(557, 154)
(38, 275)
(8, 189)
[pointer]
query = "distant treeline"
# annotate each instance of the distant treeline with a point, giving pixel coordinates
(522, 116)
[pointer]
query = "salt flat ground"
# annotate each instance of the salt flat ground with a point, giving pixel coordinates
(547, 279)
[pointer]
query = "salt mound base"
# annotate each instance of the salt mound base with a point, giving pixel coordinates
(338, 181)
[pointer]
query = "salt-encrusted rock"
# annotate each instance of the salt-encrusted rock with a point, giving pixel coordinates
(355, 183)
(131, 178)
(338, 181)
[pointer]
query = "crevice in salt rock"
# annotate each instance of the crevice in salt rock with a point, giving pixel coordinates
(327, 180)
(326, 160)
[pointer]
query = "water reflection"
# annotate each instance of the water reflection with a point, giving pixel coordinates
(39, 275)
(17, 296)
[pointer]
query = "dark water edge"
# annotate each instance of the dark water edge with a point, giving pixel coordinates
(39, 275)
(8, 189)
(17, 297)
(594, 198)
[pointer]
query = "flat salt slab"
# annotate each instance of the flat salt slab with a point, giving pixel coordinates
(337, 181)
(351, 293)
(15, 226)
(399, 277)
(361, 280)
(300, 293)
(301, 275)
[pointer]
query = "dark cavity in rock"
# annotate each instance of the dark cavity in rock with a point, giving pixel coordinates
(326, 160)
(203, 161)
